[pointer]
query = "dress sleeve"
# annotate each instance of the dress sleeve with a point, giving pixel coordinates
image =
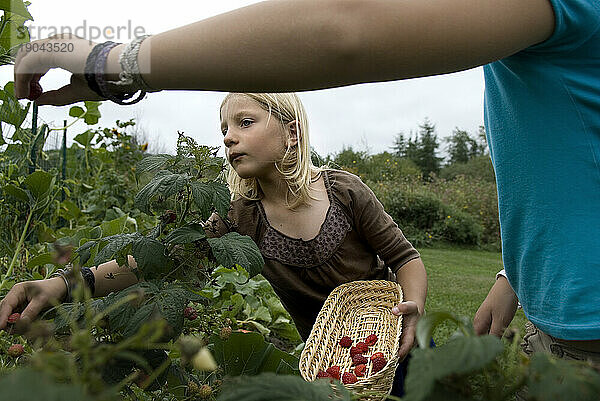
(378, 228)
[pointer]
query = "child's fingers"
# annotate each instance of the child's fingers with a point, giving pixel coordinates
(405, 308)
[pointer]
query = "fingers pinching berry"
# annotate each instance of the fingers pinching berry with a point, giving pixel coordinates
(35, 90)
(12, 319)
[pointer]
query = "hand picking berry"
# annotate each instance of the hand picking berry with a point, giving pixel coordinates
(334, 371)
(359, 359)
(371, 340)
(12, 319)
(346, 342)
(360, 370)
(349, 378)
(379, 363)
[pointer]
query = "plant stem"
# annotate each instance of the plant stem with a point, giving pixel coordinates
(19, 245)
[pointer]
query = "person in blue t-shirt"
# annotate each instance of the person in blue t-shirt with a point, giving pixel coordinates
(542, 114)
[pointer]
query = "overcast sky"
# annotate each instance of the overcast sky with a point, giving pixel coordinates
(361, 116)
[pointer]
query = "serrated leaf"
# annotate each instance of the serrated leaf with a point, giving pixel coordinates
(249, 354)
(272, 387)
(459, 356)
(16, 7)
(85, 251)
(165, 184)
(153, 162)
(183, 235)
(211, 195)
(233, 248)
(114, 227)
(556, 379)
(144, 314)
(149, 255)
(115, 244)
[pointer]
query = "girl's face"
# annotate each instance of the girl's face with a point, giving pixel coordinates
(253, 139)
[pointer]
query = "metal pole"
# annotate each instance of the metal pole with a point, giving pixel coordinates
(64, 157)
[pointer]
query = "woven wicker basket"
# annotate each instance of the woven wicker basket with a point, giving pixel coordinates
(356, 309)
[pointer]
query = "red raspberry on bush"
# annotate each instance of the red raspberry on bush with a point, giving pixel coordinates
(12, 319)
(190, 313)
(15, 350)
(334, 371)
(169, 217)
(371, 340)
(360, 370)
(355, 351)
(379, 363)
(362, 346)
(322, 374)
(377, 355)
(359, 359)
(346, 342)
(349, 378)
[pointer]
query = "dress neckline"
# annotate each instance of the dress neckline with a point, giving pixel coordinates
(327, 215)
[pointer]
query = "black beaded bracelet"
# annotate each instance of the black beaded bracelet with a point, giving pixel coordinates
(90, 69)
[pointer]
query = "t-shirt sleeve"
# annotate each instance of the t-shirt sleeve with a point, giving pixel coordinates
(575, 22)
(379, 229)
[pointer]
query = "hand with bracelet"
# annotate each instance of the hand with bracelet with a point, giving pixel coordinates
(91, 72)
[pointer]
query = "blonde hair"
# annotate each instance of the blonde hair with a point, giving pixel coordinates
(295, 166)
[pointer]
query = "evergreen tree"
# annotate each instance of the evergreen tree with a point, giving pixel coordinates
(399, 146)
(426, 149)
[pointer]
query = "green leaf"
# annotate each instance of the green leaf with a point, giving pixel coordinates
(430, 321)
(149, 255)
(191, 233)
(556, 379)
(459, 356)
(153, 162)
(209, 196)
(233, 248)
(76, 111)
(115, 244)
(11, 111)
(39, 184)
(92, 114)
(165, 184)
(16, 192)
(250, 354)
(272, 387)
(144, 314)
(40, 260)
(16, 7)
(114, 227)
(85, 138)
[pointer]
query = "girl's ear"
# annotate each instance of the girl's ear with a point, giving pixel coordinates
(293, 133)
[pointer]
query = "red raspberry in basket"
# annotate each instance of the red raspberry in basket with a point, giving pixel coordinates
(322, 374)
(360, 370)
(346, 342)
(334, 371)
(377, 355)
(379, 363)
(362, 346)
(355, 351)
(359, 359)
(371, 340)
(349, 378)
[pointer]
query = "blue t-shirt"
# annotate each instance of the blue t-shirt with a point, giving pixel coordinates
(542, 113)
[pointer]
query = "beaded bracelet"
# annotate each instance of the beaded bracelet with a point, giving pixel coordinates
(67, 273)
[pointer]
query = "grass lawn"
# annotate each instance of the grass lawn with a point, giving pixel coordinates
(459, 280)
